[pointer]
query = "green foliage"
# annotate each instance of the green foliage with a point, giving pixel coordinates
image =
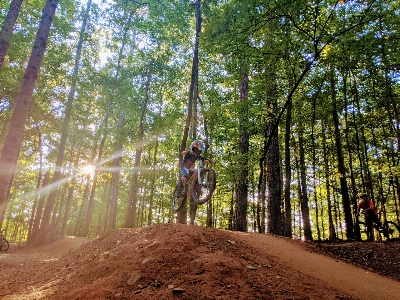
(135, 54)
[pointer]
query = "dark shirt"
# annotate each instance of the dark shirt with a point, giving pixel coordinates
(189, 158)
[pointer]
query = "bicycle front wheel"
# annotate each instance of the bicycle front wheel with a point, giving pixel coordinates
(391, 230)
(376, 236)
(4, 245)
(203, 189)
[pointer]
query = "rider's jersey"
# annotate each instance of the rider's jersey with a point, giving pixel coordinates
(368, 207)
(189, 159)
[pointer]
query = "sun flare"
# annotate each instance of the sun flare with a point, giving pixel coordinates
(88, 169)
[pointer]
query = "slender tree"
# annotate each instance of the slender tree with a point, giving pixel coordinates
(112, 223)
(340, 164)
(240, 217)
(288, 175)
(182, 213)
(304, 205)
(12, 144)
(131, 218)
(8, 28)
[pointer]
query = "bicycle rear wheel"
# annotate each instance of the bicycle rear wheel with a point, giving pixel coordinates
(203, 189)
(4, 245)
(178, 198)
(364, 235)
(392, 230)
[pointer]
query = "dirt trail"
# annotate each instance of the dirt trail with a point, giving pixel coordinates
(347, 278)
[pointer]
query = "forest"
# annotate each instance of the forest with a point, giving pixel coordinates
(297, 102)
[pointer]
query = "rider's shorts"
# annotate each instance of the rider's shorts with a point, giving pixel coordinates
(185, 171)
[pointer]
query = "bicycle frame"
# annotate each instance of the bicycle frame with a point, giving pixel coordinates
(387, 229)
(199, 167)
(199, 189)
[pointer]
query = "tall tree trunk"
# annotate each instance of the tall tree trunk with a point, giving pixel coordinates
(332, 231)
(12, 144)
(55, 219)
(112, 224)
(240, 217)
(209, 219)
(154, 171)
(314, 166)
(396, 191)
(288, 175)
(231, 210)
(33, 237)
(362, 148)
(299, 197)
(341, 167)
(357, 136)
(261, 196)
(67, 208)
(274, 177)
(305, 209)
(354, 203)
(130, 220)
(389, 91)
(153, 180)
(182, 213)
(274, 126)
(39, 182)
(8, 28)
(103, 130)
(70, 101)
(192, 203)
(210, 203)
(80, 220)
(45, 229)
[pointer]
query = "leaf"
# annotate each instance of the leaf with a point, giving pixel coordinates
(251, 268)
(231, 242)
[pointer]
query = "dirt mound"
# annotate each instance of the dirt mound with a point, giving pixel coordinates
(56, 249)
(171, 261)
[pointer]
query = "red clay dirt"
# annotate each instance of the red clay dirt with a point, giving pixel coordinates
(176, 261)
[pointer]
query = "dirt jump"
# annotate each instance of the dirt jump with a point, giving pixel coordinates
(176, 261)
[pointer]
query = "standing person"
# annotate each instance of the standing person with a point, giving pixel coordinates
(371, 215)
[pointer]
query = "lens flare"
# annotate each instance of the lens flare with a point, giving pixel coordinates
(88, 169)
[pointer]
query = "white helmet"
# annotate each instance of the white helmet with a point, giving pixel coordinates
(198, 144)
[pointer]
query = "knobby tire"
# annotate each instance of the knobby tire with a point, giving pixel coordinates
(202, 192)
(392, 229)
(4, 245)
(178, 197)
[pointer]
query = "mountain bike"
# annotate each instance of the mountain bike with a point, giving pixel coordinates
(200, 186)
(388, 230)
(4, 244)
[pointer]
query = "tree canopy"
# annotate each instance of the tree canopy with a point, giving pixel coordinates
(297, 100)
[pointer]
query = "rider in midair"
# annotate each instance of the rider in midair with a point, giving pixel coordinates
(189, 158)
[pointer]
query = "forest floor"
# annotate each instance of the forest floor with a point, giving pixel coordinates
(175, 261)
